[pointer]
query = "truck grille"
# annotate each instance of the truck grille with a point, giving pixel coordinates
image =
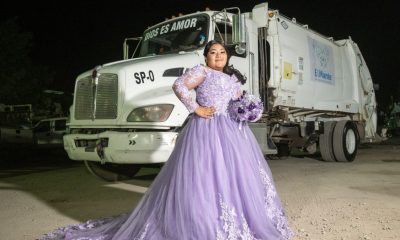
(97, 101)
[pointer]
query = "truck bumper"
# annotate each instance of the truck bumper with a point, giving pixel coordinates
(121, 147)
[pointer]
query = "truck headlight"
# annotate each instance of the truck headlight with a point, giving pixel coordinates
(153, 113)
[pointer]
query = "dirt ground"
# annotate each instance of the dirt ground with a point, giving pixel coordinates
(43, 190)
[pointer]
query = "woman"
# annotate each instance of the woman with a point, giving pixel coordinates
(216, 183)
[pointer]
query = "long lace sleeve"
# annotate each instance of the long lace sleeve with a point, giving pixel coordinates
(237, 92)
(185, 83)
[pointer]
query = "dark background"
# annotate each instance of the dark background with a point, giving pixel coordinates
(69, 37)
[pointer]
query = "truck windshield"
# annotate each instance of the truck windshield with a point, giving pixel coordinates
(182, 34)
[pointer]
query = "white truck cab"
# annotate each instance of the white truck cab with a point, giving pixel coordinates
(317, 91)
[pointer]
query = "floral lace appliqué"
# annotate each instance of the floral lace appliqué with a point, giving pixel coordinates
(230, 227)
(142, 235)
(185, 83)
(217, 90)
(59, 233)
(213, 89)
(273, 212)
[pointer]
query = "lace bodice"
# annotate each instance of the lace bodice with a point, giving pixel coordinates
(213, 88)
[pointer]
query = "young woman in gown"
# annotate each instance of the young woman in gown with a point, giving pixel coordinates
(216, 183)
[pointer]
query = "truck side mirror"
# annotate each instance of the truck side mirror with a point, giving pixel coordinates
(239, 33)
(126, 46)
(126, 50)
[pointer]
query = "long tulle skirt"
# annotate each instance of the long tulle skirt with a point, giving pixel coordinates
(215, 185)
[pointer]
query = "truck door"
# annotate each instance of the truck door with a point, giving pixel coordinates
(43, 133)
(60, 126)
(23, 134)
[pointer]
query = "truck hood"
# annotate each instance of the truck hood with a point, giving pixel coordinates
(116, 66)
(136, 83)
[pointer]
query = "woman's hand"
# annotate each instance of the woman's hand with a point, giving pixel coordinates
(205, 112)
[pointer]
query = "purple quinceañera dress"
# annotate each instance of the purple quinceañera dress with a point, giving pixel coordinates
(216, 184)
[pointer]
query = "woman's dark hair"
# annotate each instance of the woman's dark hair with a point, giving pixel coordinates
(227, 69)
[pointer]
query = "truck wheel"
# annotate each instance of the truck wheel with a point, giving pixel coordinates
(283, 150)
(112, 172)
(326, 142)
(345, 141)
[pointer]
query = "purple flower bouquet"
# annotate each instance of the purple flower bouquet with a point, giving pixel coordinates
(247, 108)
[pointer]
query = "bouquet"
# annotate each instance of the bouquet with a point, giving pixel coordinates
(247, 108)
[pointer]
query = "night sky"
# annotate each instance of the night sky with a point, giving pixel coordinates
(71, 37)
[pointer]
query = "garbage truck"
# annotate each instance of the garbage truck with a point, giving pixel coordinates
(318, 93)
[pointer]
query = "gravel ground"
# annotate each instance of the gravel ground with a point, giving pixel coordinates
(42, 190)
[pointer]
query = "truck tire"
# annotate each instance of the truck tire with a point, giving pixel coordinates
(326, 142)
(283, 150)
(345, 141)
(112, 172)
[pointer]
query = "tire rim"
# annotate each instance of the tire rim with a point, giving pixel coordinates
(350, 141)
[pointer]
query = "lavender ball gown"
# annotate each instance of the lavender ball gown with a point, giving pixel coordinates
(215, 185)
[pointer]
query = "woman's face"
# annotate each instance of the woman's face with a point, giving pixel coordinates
(216, 57)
